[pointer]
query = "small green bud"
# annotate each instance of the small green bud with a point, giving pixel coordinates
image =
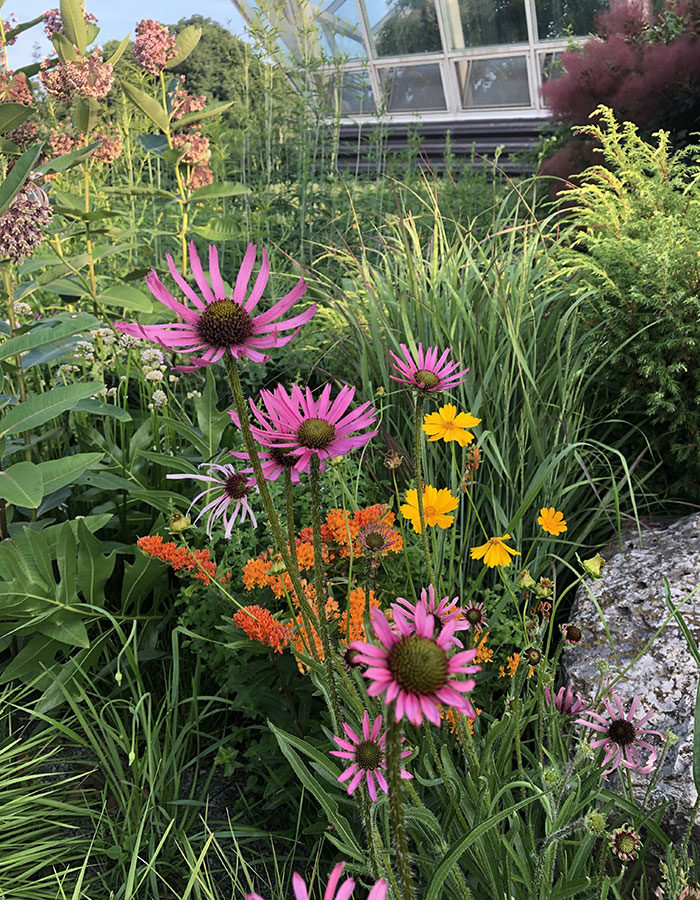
(550, 777)
(595, 822)
(594, 566)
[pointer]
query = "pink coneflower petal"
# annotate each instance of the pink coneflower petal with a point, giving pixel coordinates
(230, 497)
(426, 372)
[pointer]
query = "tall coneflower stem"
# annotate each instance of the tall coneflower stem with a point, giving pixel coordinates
(272, 517)
(315, 482)
(419, 487)
(292, 540)
(369, 833)
(396, 813)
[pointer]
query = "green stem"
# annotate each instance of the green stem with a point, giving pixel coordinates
(369, 833)
(21, 384)
(315, 481)
(419, 487)
(292, 541)
(396, 814)
(272, 517)
(443, 775)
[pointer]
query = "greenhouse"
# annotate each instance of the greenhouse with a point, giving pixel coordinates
(444, 60)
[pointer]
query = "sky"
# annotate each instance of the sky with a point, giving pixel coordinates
(116, 18)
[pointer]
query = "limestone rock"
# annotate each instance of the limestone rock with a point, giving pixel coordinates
(631, 598)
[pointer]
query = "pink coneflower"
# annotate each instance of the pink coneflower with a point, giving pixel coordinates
(228, 488)
(413, 668)
(378, 537)
(622, 735)
(218, 324)
(304, 427)
(444, 611)
(427, 372)
(475, 616)
(273, 461)
(367, 755)
(378, 892)
(625, 843)
(565, 702)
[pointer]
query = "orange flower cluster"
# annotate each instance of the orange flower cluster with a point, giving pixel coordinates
(260, 625)
(301, 638)
(512, 664)
(179, 557)
(450, 716)
(355, 631)
(338, 533)
(484, 654)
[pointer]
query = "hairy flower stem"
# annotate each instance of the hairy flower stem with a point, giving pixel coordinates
(445, 783)
(292, 540)
(369, 833)
(396, 816)
(315, 481)
(21, 385)
(272, 517)
(419, 487)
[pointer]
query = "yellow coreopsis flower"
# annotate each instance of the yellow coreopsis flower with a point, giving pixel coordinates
(494, 552)
(448, 425)
(552, 521)
(436, 505)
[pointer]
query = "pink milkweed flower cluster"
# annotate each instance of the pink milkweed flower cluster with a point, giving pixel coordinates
(332, 892)
(427, 372)
(154, 46)
(219, 324)
(411, 666)
(367, 757)
(302, 426)
(53, 23)
(622, 735)
(565, 702)
(111, 143)
(22, 224)
(229, 490)
(196, 147)
(55, 82)
(88, 76)
(445, 611)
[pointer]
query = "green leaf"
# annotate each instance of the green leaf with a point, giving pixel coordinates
(57, 473)
(68, 160)
(43, 407)
(93, 567)
(23, 26)
(100, 408)
(225, 189)
(213, 109)
(21, 485)
(74, 23)
(185, 42)
(32, 659)
(66, 546)
(118, 53)
(147, 105)
(127, 297)
(18, 175)
(46, 334)
(154, 143)
(29, 70)
(64, 47)
(92, 32)
(87, 114)
(219, 228)
(211, 422)
(139, 578)
(13, 114)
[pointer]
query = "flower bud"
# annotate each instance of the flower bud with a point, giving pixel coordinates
(393, 460)
(178, 523)
(595, 822)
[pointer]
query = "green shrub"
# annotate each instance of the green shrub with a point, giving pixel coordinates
(633, 226)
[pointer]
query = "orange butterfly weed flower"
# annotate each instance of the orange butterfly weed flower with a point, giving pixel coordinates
(261, 626)
(179, 557)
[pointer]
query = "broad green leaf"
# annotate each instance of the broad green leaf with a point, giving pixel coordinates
(213, 109)
(23, 26)
(139, 578)
(100, 408)
(68, 160)
(93, 567)
(219, 228)
(211, 422)
(41, 408)
(57, 473)
(185, 42)
(87, 114)
(154, 143)
(147, 105)
(13, 114)
(213, 191)
(34, 658)
(66, 547)
(45, 334)
(92, 32)
(64, 47)
(127, 297)
(21, 485)
(117, 55)
(18, 175)
(74, 23)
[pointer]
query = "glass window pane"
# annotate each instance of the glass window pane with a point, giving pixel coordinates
(493, 82)
(341, 34)
(350, 94)
(401, 27)
(413, 88)
(481, 23)
(557, 18)
(550, 66)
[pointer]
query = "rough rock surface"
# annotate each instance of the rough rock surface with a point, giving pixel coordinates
(631, 597)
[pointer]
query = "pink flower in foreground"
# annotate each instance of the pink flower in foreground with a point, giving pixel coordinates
(413, 668)
(565, 702)
(332, 892)
(154, 46)
(427, 372)
(367, 755)
(621, 735)
(444, 611)
(218, 324)
(273, 461)
(302, 426)
(228, 489)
